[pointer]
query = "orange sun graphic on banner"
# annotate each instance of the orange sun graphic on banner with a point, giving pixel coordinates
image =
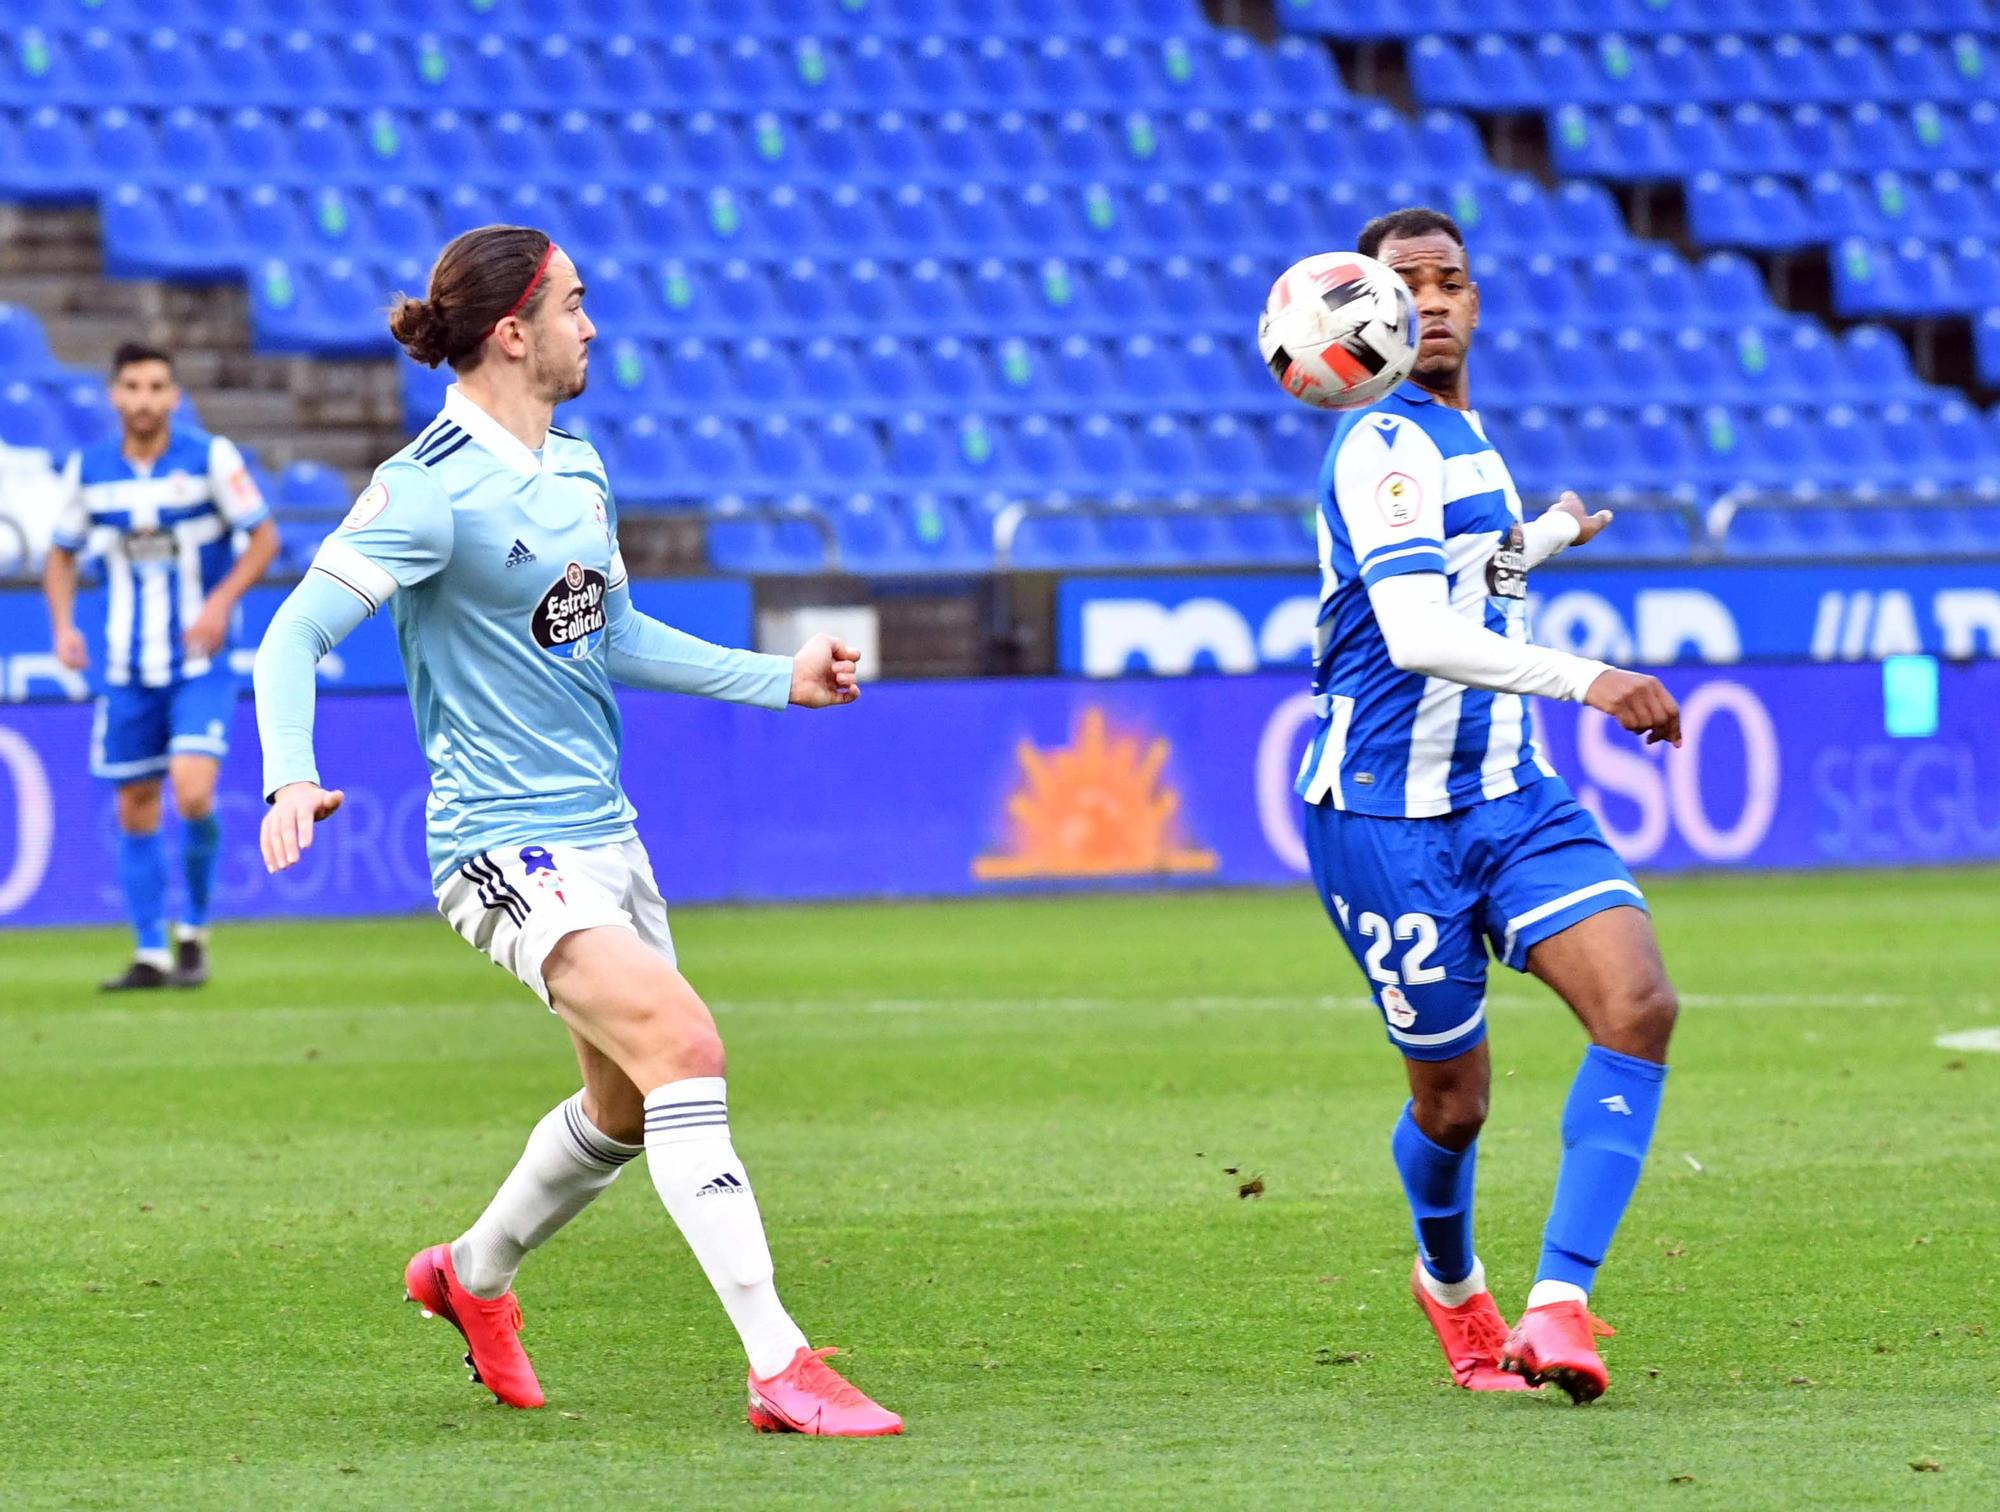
(1095, 808)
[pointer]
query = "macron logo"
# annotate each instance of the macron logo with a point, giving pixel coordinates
(1617, 1104)
(724, 1185)
(520, 556)
(1388, 430)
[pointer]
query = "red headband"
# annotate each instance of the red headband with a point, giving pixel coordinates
(515, 308)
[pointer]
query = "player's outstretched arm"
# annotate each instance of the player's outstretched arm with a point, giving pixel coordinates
(315, 618)
(649, 653)
(1425, 635)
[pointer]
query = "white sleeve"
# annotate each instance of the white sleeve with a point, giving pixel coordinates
(236, 492)
(1544, 537)
(72, 527)
(1426, 635)
(1388, 489)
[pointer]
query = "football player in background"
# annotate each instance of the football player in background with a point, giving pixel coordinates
(161, 508)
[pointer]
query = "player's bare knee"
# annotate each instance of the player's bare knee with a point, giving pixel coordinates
(701, 1051)
(1450, 1116)
(1642, 1022)
(193, 803)
(139, 808)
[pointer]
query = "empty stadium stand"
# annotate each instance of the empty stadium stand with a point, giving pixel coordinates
(870, 272)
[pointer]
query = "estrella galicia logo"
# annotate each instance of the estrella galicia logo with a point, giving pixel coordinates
(536, 858)
(569, 619)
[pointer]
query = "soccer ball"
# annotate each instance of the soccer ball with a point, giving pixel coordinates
(1338, 330)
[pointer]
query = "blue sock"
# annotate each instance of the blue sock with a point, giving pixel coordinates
(201, 844)
(142, 873)
(1438, 1183)
(1607, 1125)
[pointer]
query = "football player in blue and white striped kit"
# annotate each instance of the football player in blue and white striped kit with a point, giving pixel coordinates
(1435, 828)
(161, 508)
(492, 539)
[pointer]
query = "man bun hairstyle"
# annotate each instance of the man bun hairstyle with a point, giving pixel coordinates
(1413, 220)
(480, 278)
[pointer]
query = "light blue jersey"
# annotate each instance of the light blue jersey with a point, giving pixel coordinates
(162, 530)
(1411, 485)
(500, 567)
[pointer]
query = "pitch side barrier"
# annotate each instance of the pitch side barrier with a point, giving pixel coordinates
(997, 785)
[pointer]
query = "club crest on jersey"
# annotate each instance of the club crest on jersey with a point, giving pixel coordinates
(1396, 1008)
(1399, 496)
(569, 617)
(374, 499)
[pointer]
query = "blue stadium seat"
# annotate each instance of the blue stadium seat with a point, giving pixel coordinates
(1987, 345)
(1878, 361)
(1856, 70)
(1663, 452)
(123, 147)
(1601, 454)
(1972, 274)
(849, 451)
(650, 468)
(1857, 441)
(743, 542)
(190, 146)
(336, 310)
(1720, 211)
(312, 486)
(1920, 69)
(1640, 370)
(29, 419)
(24, 346)
(106, 70)
(1550, 289)
(50, 159)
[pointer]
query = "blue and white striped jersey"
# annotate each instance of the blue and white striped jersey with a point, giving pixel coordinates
(162, 530)
(1411, 485)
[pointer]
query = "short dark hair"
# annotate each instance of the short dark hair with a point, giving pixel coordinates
(1412, 220)
(130, 352)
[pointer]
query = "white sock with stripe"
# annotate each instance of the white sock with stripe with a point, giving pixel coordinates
(568, 1161)
(699, 1178)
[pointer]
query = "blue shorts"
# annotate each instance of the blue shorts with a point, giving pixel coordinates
(1413, 897)
(137, 728)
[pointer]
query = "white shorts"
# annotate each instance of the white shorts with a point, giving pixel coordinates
(517, 902)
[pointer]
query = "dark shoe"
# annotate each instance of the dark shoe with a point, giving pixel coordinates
(190, 963)
(139, 976)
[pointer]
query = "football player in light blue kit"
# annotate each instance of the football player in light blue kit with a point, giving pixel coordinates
(161, 508)
(492, 539)
(1435, 827)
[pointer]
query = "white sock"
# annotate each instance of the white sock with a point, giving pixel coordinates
(1454, 1293)
(1542, 1293)
(699, 1178)
(199, 934)
(568, 1161)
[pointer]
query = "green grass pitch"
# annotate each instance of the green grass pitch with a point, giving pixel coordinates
(999, 1148)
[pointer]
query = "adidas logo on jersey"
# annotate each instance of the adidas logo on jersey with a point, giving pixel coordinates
(724, 1185)
(520, 556)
